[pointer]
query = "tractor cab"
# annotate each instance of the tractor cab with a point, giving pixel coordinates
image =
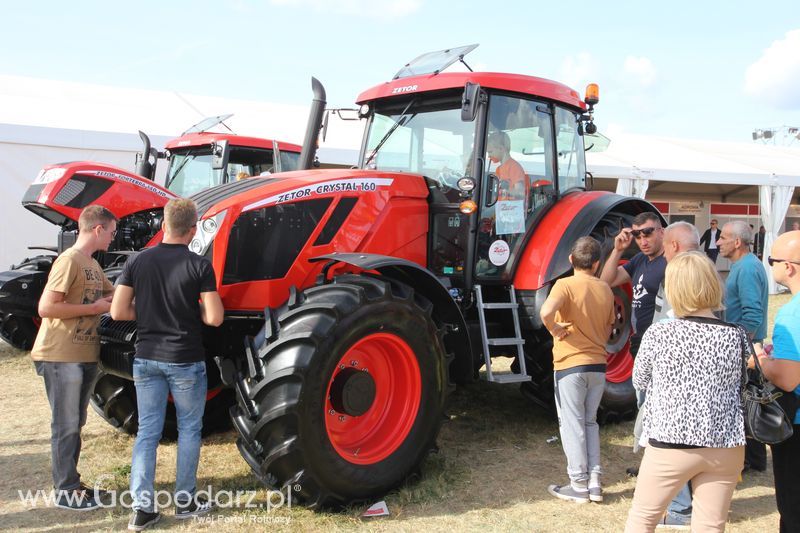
(200, 159)
(496, 151)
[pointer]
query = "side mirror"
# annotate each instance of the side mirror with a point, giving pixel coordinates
(218, 150)
(469, 101)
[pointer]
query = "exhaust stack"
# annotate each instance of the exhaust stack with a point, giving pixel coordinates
(144, 167)
(314, 126)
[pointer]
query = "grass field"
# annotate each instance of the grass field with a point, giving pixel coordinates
(491, 472)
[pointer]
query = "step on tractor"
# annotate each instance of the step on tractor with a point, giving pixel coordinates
(356, 300)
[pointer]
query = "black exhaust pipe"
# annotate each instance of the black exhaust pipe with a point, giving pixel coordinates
(314, 126)
(144, 167)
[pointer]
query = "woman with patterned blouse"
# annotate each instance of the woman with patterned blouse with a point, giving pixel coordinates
(692, 370)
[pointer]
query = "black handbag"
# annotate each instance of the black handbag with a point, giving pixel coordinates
(764, 418)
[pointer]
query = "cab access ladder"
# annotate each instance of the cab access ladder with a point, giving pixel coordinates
(517, 341)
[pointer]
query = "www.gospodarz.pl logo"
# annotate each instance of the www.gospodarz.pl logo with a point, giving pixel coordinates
(161, 499)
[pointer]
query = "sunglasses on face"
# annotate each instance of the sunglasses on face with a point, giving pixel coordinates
(644, 231)
(772, 261)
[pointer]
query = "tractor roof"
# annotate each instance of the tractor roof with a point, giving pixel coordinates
(517, 83)
(205, 138)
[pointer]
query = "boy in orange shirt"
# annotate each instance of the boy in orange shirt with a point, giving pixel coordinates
(578, 313)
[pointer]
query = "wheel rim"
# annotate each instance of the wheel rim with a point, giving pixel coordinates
(385, 423)
(619, 365)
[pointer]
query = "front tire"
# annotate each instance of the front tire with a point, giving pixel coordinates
(19, 331)
(114, 400)
(350, 393)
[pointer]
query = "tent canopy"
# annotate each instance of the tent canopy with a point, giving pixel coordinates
(694, 161)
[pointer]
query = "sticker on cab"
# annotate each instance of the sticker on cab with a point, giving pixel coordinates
(499, 252)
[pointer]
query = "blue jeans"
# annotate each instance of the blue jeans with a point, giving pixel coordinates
(154, 381)
(68, 387)
(680, 508)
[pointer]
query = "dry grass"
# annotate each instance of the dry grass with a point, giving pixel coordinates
(491, 473)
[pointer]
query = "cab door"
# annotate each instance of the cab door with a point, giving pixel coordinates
(519, 181)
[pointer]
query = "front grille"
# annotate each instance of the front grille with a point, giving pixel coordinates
(116, 331)
(117, 359)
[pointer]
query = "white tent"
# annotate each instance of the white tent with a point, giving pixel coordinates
(638, 160)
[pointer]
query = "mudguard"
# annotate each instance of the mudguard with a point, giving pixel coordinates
(546, 255)
(445, 308)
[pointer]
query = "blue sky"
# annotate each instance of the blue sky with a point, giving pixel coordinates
(701, 69)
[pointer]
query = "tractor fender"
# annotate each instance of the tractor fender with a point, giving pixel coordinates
(445, 308)
(546, 254)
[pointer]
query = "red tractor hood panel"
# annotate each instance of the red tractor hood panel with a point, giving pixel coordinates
(60, 192)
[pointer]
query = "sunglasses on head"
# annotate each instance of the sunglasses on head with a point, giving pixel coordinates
(644, 231)
(772, 261)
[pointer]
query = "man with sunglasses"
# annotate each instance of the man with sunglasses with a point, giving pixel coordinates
(709, 241)
(782, 368)
(746, 301)
(67, 349)
(645, 270)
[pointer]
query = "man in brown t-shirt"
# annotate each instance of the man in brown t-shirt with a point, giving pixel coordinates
(579, 313)
(67, 348)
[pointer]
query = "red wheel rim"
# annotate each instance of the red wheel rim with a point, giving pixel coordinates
(374, 435)
(619, 365)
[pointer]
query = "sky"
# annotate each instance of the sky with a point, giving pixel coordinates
(689, 69)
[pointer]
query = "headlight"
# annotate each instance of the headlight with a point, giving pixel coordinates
(206, 231)
(46, 176)
(210, 225)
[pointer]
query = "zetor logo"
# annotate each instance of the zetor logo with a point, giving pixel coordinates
(406, 89)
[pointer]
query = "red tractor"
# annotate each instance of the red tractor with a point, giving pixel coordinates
(197, 160)
(372, 292)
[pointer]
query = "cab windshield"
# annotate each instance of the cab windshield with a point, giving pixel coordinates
(431, 140)
(190, 170)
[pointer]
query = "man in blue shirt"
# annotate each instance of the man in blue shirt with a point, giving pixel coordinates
(746, 289)
(746, 301)
(783, 369)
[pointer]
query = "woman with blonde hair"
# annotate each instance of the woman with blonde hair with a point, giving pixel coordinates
(692, 369)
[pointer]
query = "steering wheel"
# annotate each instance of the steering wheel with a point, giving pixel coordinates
(449, 177)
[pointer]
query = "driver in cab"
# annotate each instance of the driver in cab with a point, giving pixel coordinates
(513, 181)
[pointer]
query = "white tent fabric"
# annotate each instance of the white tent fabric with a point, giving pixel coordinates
(774, 204)
(691, 161)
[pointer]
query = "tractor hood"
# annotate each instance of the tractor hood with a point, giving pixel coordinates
(258, 192)
(60, 192)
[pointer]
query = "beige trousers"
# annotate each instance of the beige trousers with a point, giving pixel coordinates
(713, 472)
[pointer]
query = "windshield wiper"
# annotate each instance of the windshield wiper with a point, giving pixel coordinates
(189, 153)
(401, 121)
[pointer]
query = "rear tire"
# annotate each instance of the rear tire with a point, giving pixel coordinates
(114, 399)
(619, 397)
(350, 395)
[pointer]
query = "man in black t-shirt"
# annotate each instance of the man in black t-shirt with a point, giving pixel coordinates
(645, 270)
(175, 293)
